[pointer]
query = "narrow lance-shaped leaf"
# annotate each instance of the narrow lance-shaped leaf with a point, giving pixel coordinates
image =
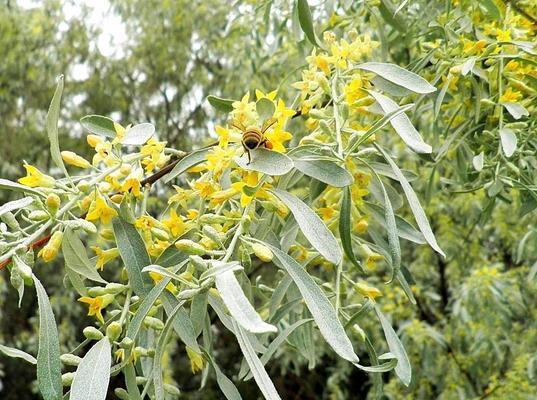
(93, 373)
(399, 76)
(224, 383)
(306, 21)
(402, 125)
(325, 171)
(49, 376)
(52, 126)
(238, 305)
(415, 206)
(312, 227)
(403, 369)
(189, 161)
(258, 371)
(15, 205)
(76, 257)
(16, 353)
(345, 228)
(134, 255)
(320, 307)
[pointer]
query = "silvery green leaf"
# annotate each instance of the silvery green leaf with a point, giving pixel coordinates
(167, 273)
(320, 307)
(516, 110)
(134, 255)
(390, 88)
(415, 206)
(306, 22)
(467, 66)
(15, 205)
(312, 227)
(403, 369)
(266, 161)
(477, 161)
(325, 171)
(238, 305)
(219, 267)
(265, 108)
(258, 371)
(93, 373)
(16, 353)
(76, 257)
(224, 383)
(9, 185)
(509, 141)
(181, 323)
(402, 125)
(405, 230)
(220, 104)
(399, 76)
(138, 134)
(49, 376)
(345, 226)
(99, 125)
(53, 115)
(187, 162)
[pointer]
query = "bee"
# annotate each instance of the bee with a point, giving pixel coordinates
(253, 138)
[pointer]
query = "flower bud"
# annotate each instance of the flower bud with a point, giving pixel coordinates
(141, 380)
(155, 323)
(213, 234)
(92, 333)
(94, 140)
(125, 169)
(160, 233)
(113, 331)
(174, 391)
(107, 234)
(367, 291)
(67, 378)
(198, 262)
(196, 360)
(362, 225)
(96, 291)
(50, 251)
(83, 186)
(117, 198)
(9, 219)
(121, 394)
(139, 352)
(359, 331)
(53, 203)
(190, 247)
(114, 288)
(75, 160)
(80, 223)
(70, 359)
(213, 219)
(126, 343)
(38, 215)
(262, 252)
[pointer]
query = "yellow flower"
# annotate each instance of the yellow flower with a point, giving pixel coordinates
(181, 196)
(503, 36)
(50, 251)
(132, 184)
(94, 140)
(175, 223)
(510, 96)
(35, 178)
(192, 214)
(354, 90)
(145, 223)
(196, 360)
(104, 256)
(156, 277)
(205, 189)
(75, 160)
(367, 291)
(320, 61)
(244, 111)
(222, 195)
(327, 213)
(152, 163)
(225, 136)
(250, 180)
(340, 53)
(96, 304)
(271, 95)
(277, 136)
(99, 209)
(283, 113)
(218, 159)
(120, 133)
(157, 247)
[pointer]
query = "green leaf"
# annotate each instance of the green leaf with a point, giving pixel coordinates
(172, 256)
(181, 323)
(99, 125)
(53, 115)
(187, 162)
(266, 161)
(168, 274)
(17, 187)
(238, 305)
(15, 205)
(320, 307)
(16, 353)
(405, 230)
(49, 376)
(415, 206)
(265, 108)
(345, 226)
(144, 308)
(224, 383)
(225, 105)
(306, 22)
(76, 257)
(312, 227)
(134, 255)
(138, 134)
(402, 125)
(403, 369)
(219, 267)
(325, 171)
(258, 371)
(516, 110)
(509, 141)
(491, 8)
(399, 76)
(478, 161)
(93, 373)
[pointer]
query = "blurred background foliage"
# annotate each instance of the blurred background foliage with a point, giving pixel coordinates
(473, 332)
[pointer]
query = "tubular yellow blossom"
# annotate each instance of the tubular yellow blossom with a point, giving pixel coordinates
(104, 256)
(50, 251)
(196, 360)
(367, 291)
(35, 178)
(96, 304)
(75, 160)
(510, 96)
(99, 209)
(132, 184)
(262, 252)
(175, 223)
